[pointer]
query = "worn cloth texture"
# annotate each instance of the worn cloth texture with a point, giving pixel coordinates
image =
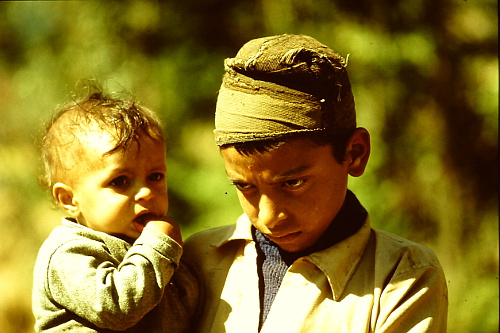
(281, 85)
(273, 262)
(89, 281)
(372, 281)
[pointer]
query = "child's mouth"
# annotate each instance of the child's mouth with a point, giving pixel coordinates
(141, 221)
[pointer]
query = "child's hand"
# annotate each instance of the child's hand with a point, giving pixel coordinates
(165, 225)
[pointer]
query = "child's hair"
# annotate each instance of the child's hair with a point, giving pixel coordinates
(122, 119)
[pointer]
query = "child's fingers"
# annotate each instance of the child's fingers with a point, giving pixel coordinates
(167, 226)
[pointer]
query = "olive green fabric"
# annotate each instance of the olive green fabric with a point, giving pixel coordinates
(280, 85)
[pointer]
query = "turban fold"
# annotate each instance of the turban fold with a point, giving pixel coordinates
(281, 85)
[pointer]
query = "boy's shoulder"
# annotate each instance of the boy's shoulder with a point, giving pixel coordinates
(211, 237)
(396, 249)
(212, 248)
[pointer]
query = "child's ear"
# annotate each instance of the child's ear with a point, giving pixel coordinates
(358, 151)
(64, 196)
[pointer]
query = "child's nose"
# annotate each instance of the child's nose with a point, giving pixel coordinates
(144, 193)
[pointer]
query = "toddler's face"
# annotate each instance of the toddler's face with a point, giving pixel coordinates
(113, 191)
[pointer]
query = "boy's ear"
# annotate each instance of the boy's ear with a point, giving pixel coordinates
(64, 196)
(358, 152)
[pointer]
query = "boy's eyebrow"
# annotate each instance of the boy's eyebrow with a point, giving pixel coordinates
(232, 177)
(291, 173)
(287, 175)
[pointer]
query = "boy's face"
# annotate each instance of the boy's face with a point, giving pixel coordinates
(113, 191)
(292, 193)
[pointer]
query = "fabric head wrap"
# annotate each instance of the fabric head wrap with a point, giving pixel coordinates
(281, 85)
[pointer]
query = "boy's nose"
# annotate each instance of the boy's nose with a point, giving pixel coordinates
(144, 193)
(270, 214)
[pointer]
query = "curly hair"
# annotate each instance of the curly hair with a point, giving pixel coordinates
(97, 112)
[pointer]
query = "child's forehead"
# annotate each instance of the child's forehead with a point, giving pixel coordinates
(99, 153)
(99, 142)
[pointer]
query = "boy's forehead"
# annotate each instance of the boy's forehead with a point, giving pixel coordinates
(289, 151)
(292, 159)
(267, 146)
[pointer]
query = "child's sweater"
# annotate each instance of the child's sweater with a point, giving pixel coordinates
(89, 281)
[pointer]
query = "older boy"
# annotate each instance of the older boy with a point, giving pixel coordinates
(303, 257)
(110, 265)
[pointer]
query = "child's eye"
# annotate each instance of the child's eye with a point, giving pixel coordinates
(242, 186)
(156, 177)
(121, 181)
(294, 183)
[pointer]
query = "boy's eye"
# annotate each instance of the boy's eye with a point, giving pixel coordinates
(156, 177)
(242, 186)
(294, 183)
(120, 181)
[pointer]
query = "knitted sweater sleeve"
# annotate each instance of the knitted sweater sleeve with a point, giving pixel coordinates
(84, 278)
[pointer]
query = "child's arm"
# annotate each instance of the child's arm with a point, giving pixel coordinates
(85, 278)
(167, 226)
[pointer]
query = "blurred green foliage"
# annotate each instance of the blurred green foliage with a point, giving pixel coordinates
(425, 78)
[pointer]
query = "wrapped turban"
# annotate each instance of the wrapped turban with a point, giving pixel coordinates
(282, 85)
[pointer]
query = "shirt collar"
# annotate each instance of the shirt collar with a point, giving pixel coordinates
(241, 230)
(337, 262)
(340, 261)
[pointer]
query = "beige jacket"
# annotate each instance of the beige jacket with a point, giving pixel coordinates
(371, 282)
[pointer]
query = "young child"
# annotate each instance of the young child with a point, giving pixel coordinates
(110, 265)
